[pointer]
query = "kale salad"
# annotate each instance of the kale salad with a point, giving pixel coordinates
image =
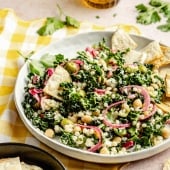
(95, 101)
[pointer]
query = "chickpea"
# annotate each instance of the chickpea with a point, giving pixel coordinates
(137, 103)
(146, 113)
(117, 139)
(49, 133)
(77, 129)
(86, 119)
(96, 113)
(125, 106)
(165, 131)
(73, 118)
(104, 150)
(96, 134)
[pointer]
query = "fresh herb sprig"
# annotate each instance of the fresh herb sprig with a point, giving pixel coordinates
(53, 23)
(153, 12)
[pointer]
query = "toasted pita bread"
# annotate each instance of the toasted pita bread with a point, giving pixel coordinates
(166, 100)
(29, 167)
(153, 51)
(162, 71)
(165, 108)
(166, 165)
(134, 56)
(122, 41)
(165, 60)
(52, 87)
(10, 164)
(167, 84)
(166, 52)
(15, 164)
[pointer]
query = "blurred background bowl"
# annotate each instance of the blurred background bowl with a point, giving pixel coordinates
(31, 155)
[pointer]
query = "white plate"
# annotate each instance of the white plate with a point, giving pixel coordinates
(69, 47)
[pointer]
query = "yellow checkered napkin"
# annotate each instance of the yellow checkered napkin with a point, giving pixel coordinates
(17, 36)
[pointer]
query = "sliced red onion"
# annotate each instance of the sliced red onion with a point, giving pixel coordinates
(100, 91)
(92, 51)
(108, 123)
(34, 92)
(99, 132)
(79, 62)
(50, 71)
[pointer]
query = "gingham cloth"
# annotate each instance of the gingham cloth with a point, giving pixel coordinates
(17, 36)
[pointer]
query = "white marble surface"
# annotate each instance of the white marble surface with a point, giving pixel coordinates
(125, 13)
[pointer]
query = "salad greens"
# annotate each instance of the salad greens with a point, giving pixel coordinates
(108, 107)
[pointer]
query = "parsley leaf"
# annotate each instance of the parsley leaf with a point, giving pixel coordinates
(165, 9)
(164, 27)
(154, 12)
(148, 17)
(70, 21)
(141, 8)
(155, 3)
(53, 23)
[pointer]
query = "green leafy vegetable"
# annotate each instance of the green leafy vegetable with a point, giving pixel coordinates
(53, 23)
(155, 3)
(165, 9)
(50, 26)
(70, 21)
(164, 27)
(153, 13)
(36, 67)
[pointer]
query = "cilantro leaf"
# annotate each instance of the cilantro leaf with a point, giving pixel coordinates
(155, 17)
(148, 17)
(164, 27)
(165, 9)
(153, 12)
(70, 21)
(156, 3)
(141, 8)
(51, 25)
